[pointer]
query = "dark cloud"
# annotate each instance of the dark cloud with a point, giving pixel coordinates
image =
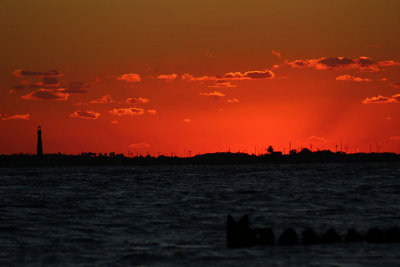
(333, 63)
(51, 73)
(365, 62)
(77, 88)
(19, 87)
(24, 84)
(300, 63)
(395, 85)
(50, 81)
(249, 75)
(47, 83)
(336, 62)
(45, 94)
(85, 114)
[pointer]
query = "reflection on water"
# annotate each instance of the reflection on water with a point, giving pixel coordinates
(177, 214)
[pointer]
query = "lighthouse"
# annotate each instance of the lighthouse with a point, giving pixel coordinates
(39, 142)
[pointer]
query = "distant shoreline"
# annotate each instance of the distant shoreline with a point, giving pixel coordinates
(220, 158)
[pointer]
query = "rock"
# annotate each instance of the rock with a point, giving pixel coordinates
(309, 237)
(353, 236)
(392, 235)
(375, 235)
(331, 236)
(238, 234)
(288, 237)
(264, 236)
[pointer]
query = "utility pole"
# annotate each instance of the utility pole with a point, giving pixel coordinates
(341, 145)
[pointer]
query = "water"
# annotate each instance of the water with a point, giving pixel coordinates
(176, 215)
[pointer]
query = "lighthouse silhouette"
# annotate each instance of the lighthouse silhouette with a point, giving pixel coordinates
(39, 142)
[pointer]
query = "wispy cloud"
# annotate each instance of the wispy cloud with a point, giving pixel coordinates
(233, 100)
(382, 99)
(349, 78)
(106, 99)
(45, 94)
(395, 85)
(16, 117)
(208, 54)
(137, 100)
(129, 77)
(85, 114)
(333, 63)
(394, 138)
(187, 120)
(17, 87)
(139, 145)
(316, 139)
(276, 53)
(152, 111)
(167, 77)
(190, 78)
(127, 111)
(215, 94)
(222, 84)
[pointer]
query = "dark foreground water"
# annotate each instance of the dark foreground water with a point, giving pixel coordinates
(176, 215)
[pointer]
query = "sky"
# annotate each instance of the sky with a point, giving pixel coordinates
(191, 77)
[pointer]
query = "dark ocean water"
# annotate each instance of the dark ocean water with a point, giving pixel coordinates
(176, 215)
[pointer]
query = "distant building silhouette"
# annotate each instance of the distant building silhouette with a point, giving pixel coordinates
(39, 142)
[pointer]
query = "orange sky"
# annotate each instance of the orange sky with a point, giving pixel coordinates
(172, 76)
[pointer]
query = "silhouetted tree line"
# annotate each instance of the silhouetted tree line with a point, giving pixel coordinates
(93, 159)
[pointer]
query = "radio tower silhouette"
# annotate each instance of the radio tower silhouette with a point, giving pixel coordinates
(39, 142)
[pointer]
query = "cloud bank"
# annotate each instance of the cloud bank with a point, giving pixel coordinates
(335, 63)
